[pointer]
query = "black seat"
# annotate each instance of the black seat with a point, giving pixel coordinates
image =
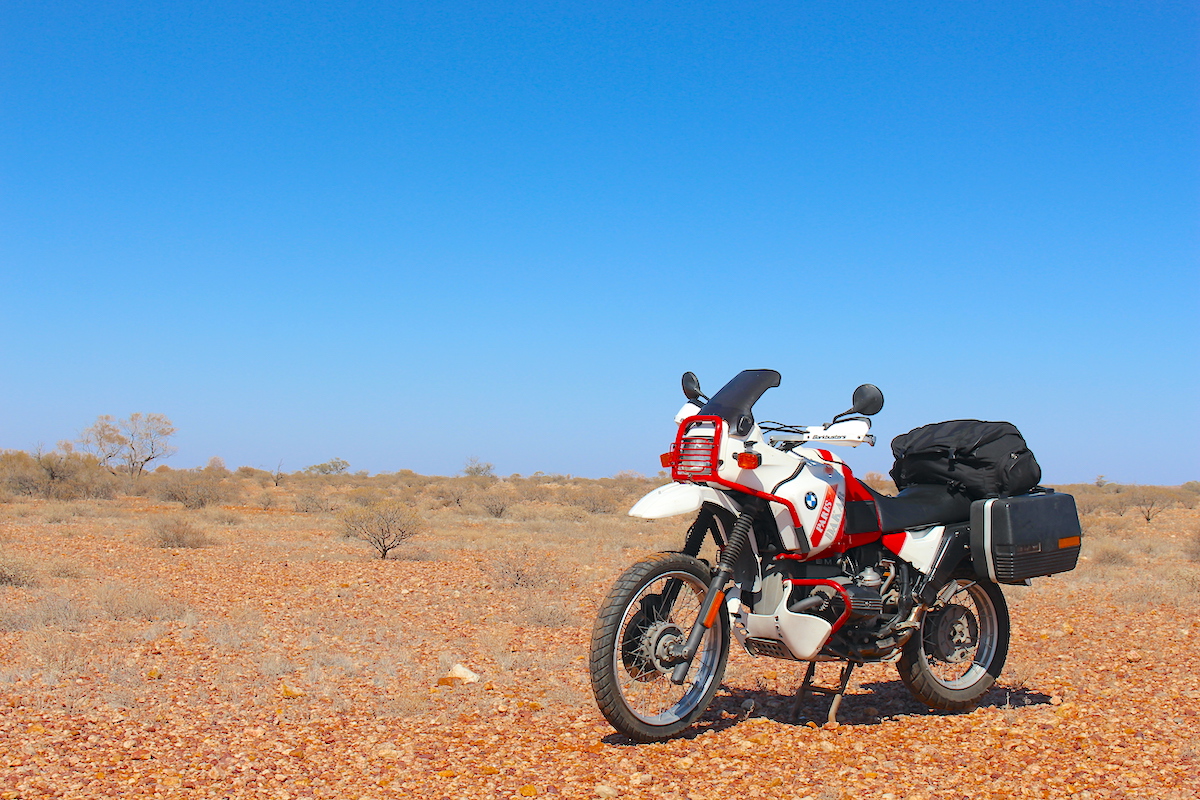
(922, 504)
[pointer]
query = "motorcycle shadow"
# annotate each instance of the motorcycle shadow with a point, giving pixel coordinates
(870, 703)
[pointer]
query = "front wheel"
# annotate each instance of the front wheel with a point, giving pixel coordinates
(960, 649)
(649, 609)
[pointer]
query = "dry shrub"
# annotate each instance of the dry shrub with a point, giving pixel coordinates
(1192, 547)
(1118, 502)
(59, 654)
(365, 495)
(58, 513)
(496, 500)
(521, 568)
(48, 612)
(595, 498)
(61, 474)
(1150, 501)
(384, 525)
(1110, 555)
(880, 483)
(224, 517)
(15, 572)
(544, 613)
(312, 502)
(196, 488)
(119, 601)
(179, 531)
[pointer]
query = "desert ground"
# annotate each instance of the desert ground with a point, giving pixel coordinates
(241, 645)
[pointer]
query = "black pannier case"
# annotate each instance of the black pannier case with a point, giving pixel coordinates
(1014, 538)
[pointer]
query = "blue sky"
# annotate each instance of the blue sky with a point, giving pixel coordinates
(405, 234)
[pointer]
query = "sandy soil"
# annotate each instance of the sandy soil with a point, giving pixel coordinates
(283, 661)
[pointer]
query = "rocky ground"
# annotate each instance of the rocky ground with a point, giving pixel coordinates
(282, 660)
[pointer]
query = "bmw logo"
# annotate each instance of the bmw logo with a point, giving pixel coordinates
(810, 501)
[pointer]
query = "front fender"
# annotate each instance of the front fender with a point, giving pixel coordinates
(680, 498)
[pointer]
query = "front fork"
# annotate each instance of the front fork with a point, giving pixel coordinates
(683, 653)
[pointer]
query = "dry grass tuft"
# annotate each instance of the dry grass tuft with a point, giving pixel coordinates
(521, 568)
(118, 601)
(15, 572)
(179, 531)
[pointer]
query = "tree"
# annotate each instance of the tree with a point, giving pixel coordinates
(385, 524)
(474, 468)
(128, 445)
(335, 466)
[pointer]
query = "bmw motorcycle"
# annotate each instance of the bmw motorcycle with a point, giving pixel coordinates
(814, 566)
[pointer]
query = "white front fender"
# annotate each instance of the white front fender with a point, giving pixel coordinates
(679, 498)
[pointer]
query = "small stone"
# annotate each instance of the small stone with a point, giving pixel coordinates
(458, 675)
(1133, 656)
(603, 790)
(290, 692)
(528, 790)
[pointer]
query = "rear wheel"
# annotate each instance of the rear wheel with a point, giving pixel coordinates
(960, 649)
(649, 609)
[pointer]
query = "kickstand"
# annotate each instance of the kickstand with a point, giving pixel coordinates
(837, 694)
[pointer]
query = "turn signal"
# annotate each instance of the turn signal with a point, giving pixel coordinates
(667, 459)
(749, 460)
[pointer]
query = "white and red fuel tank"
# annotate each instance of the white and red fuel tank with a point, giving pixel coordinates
(808, 489)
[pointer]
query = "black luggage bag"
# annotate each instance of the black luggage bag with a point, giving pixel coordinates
(1015, 538)
(979, 459)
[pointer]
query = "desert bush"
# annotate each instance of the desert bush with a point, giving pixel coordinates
(50, 611)
(224, 517)
(15, 572)
(195, 488)
(365, 495)
(61, 474)
(265, 501)
(496, 500)
(1110, 554)
(1150, 501)
(1117, 501)
(520, 568)
(546, 614)
(1193, 546)
(595, 498)
(312, 502)
(119, 601)
(880, 483)
(179, 531)
(384, 525)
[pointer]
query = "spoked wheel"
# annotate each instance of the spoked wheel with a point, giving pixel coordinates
(960, 649)
(650, 608)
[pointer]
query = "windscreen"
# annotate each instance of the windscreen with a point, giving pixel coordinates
(736, 398)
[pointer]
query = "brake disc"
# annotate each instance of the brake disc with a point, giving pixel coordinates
(951, 634)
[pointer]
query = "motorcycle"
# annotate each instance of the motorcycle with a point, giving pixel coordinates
(814, 566)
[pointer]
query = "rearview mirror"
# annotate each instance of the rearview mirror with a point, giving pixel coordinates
(691, 387)
(867, 400)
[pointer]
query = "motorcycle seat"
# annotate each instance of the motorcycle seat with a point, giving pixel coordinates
(919, 505)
